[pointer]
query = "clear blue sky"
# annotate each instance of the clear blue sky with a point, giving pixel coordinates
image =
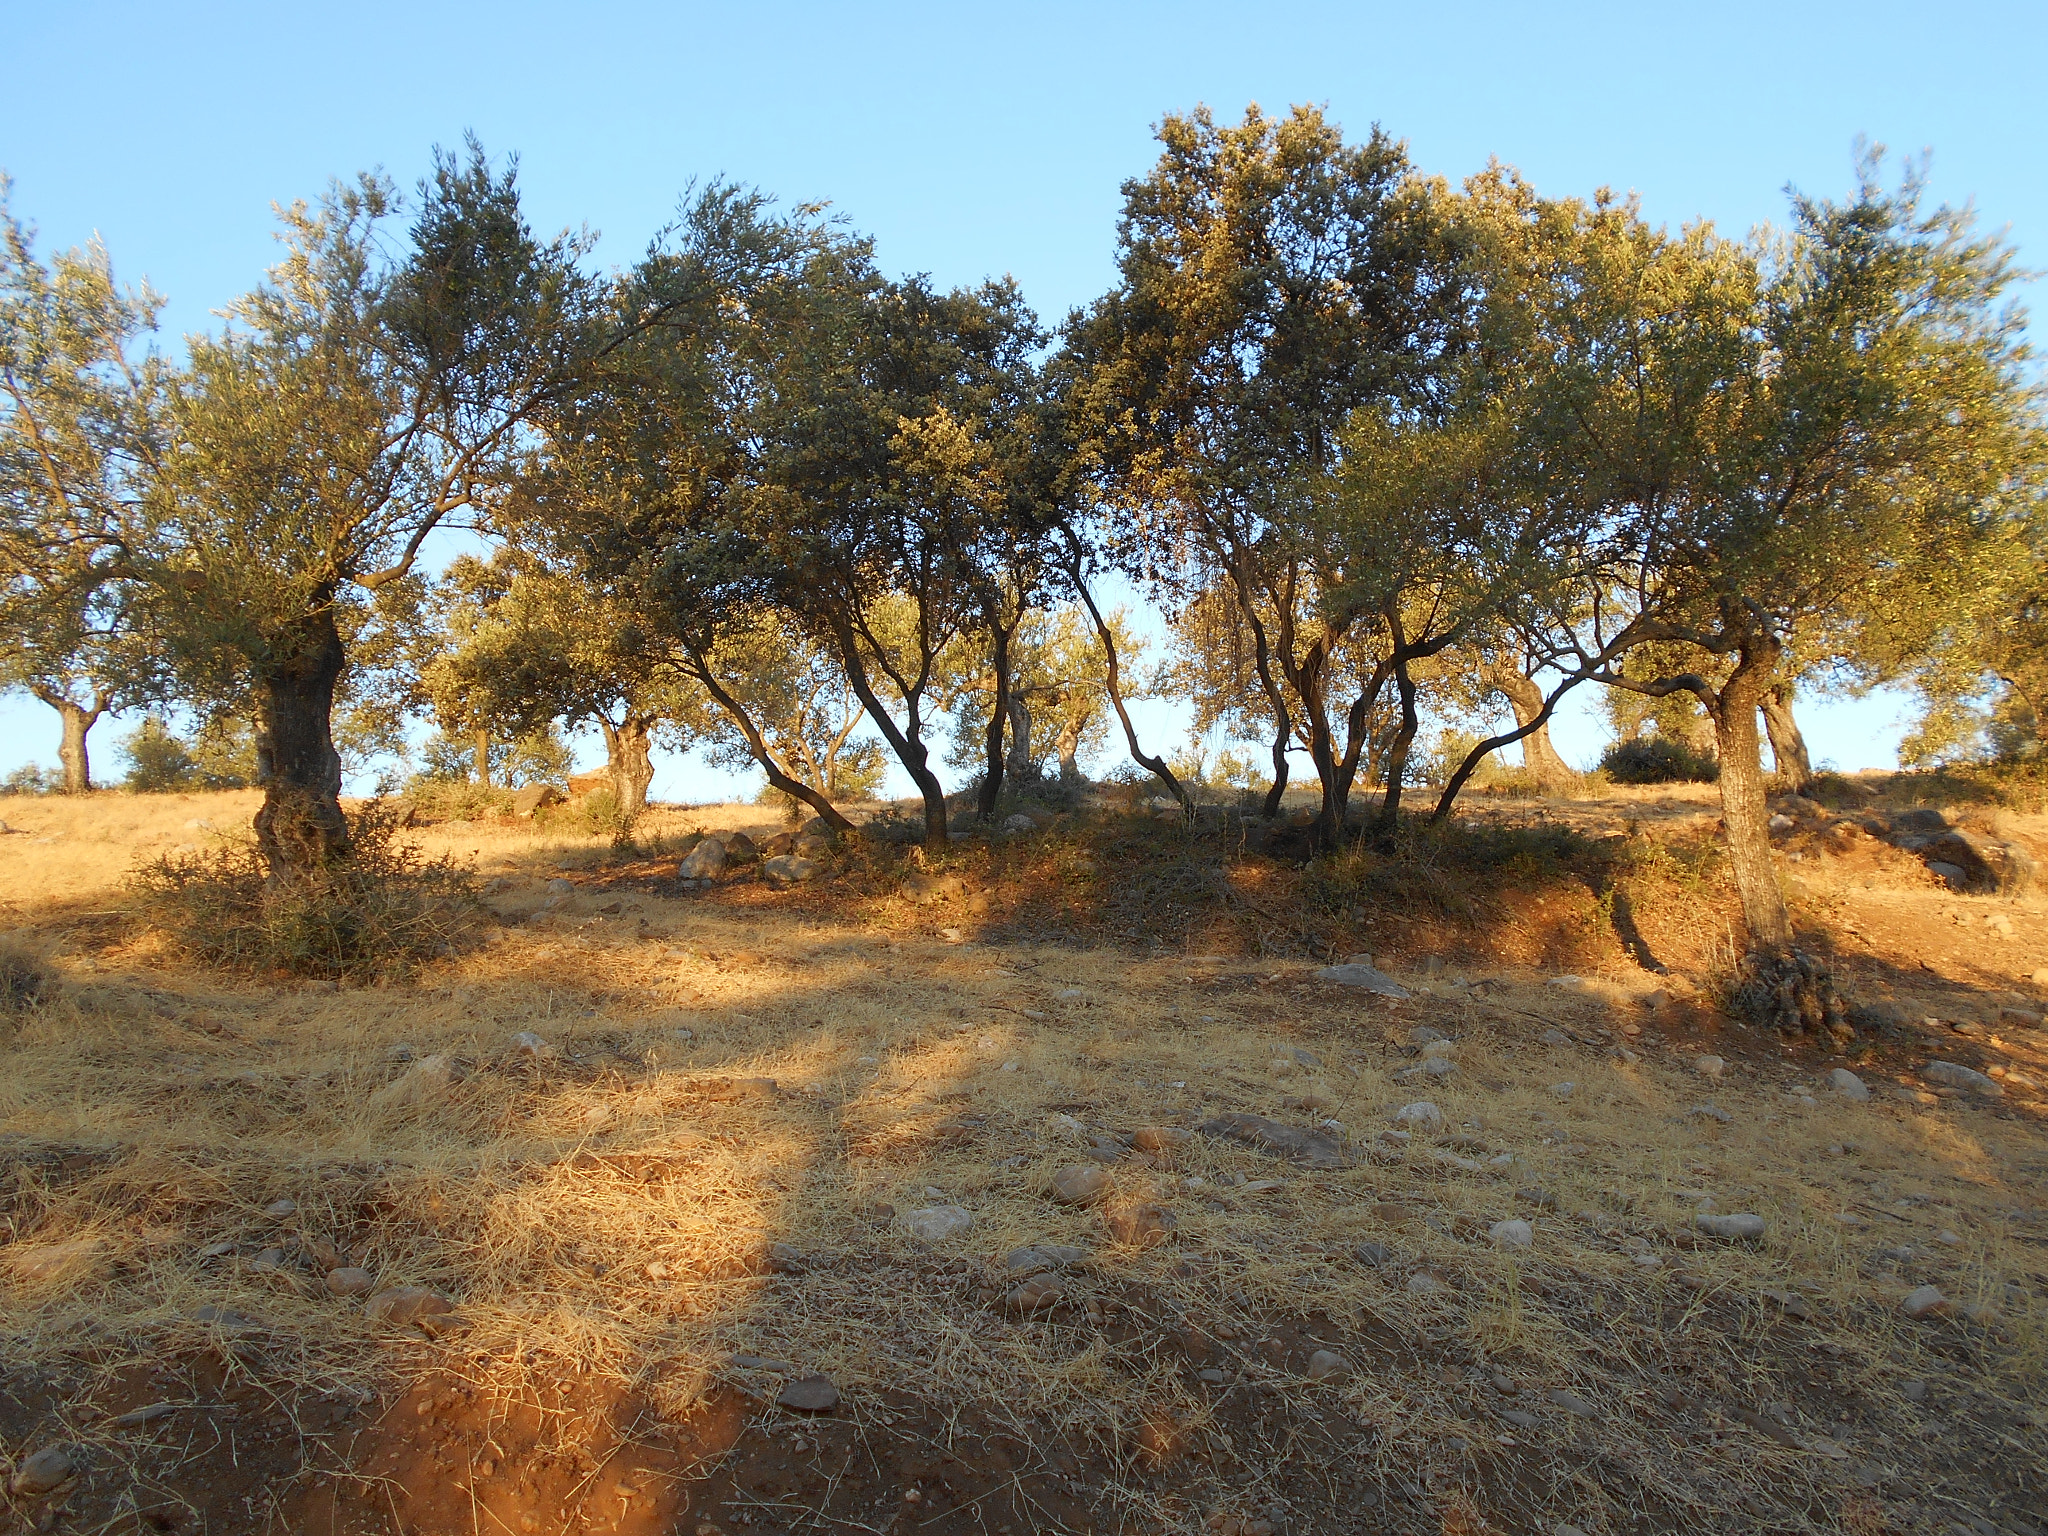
(974, 140)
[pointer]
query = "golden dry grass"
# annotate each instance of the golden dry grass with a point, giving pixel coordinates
(609, 1206)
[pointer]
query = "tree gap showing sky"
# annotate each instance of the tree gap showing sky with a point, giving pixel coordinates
(976, 141)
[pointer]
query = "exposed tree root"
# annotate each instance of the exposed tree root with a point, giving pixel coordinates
(1792, 993)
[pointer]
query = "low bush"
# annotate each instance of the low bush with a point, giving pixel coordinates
(377, 913)
(1657, 760)
(24, 982)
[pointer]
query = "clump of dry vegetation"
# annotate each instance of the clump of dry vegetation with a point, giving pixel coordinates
(380, 910)
(24, 980)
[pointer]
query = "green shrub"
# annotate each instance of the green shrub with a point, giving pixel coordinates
(378, 912)
(1657, 760)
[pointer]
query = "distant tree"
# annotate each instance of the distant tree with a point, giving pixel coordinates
(80, 434)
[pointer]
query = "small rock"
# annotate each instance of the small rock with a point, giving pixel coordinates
(1446, 1049)
(350, 1281)
(1035, 1295)
(809, 1394)
(1915, 1391)
(527, 1043)
(1711, 1112)
(425, 1081)
(2019, 1018)
(1211, 1375)
(789, 869)
(43, 1472)
(1520, 1418)
(1953, 1075)
(1948, 1239)
(1160, 1138)
(1710, 1067)
(1512, 1234)
(1328, 1365)
(1373, 1255)
(1924, 1301)
(1021, 1262)
(1422, 1034)
(406, 1304)
(135, 1418)
(1079, 1184)
(1563, 1090)
(704, 862)
(1364, 977)
(1143, 1226)
(1422, 1116)
(1572, 1403)
(1423, 1283)
(1556, 1037)
(1740, 1226)
(1849, 1085)
(936, 1223)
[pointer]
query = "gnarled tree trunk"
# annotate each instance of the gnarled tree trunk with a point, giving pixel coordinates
(1788, 746)
(1539, 757)
(998, 718)
(481, 745)
(629, 759)
(1744, 816)
(1019, 763)
(300, 826)
(71, 751)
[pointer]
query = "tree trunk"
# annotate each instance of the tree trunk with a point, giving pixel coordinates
(1744, 816)
(482, 747)
(1113, 686)
(1539, 757)
(628, 750)
(1397, 757)
(1020, 737)
(1068, 743)
(757, 744)
(998, 718)
(71, 751)
(1788, 746)
(906, 740)
(300, 826)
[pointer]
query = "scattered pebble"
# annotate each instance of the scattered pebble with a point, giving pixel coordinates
(1423, 1283)
(937, 1223)
(1328, 1365)
(406, 1304)
(1572, 1403)
(350, 1281)
(1143, 1226)
(809, 1394)
(1421, 1115)
(43, 1472)
(1951, 1074)
(1079, 1184)
(1736, 1225)
(1512, 1234)
(1035, 1295)
(1924, 1301)
(1564, 1090)
(277, 1210)
(1711, 1067)
(1849, 1085)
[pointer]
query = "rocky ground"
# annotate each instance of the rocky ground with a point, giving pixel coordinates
(895, 1198)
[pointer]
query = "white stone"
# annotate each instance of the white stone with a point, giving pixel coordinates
(1849, 1085)
(1513, 1234)
(1421, 1115)
(936, 1223)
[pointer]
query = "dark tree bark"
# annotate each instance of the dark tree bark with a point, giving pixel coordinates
(1112, 684)
(300, 826)
(77, 719)
(998, 716)
(1788, 745)
(480, 743)
(1397, 754)
(629, 759)
(757, 745)
(906, 741)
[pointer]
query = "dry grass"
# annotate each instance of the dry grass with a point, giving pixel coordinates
(610, 1206)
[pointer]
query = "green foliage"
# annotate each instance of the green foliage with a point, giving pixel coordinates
(158, 759)
(381, 911)
(1657, 760)
(30, 779)
(539, 757)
